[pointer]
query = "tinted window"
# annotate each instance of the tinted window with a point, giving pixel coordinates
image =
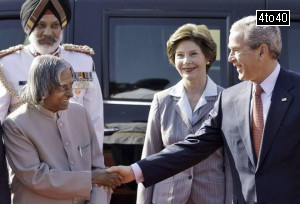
(11, 33)
(138, 64)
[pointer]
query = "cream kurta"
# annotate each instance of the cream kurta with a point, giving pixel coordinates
(52, 156)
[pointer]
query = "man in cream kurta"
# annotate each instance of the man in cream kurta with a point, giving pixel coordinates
(52, 155)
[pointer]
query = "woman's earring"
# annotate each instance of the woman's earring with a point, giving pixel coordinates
(43, 98)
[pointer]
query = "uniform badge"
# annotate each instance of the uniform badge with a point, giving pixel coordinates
(82, 84)
(83, 80)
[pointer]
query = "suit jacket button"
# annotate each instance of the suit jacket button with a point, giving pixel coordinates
(190, 177)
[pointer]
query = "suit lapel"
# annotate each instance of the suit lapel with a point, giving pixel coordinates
(210, 100)
(180, 110)
(242, 112)
(280, 102)
(178, 103)
(204, 110)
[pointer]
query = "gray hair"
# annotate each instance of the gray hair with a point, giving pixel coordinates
(258, 35)
(44, 77)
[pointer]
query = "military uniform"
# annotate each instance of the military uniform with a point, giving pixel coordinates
(14, 67)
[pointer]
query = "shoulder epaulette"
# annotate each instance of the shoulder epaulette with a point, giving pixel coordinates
(11, 50)
(79, 48)
(5, 83)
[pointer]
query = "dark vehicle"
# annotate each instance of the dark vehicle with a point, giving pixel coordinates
(129, 38)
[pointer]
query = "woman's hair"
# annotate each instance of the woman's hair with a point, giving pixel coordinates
(258, 35)
(196, 33)
(44, 77)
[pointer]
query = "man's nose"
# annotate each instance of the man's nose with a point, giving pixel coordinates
(69, 92)
(47, 31)
(230, 57)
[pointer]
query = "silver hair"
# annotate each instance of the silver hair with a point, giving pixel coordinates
(44, 77)
(258, 35)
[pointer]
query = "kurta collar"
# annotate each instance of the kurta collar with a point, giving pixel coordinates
(48, 113)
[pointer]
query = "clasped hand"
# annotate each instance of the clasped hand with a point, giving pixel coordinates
(102, 177)
(112, 177)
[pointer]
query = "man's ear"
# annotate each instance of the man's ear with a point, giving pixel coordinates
(263, 50)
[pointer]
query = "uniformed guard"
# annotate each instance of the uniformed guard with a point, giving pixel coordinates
(43, 22)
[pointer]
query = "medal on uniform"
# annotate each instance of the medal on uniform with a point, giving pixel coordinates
(76, 94)
(84, 80)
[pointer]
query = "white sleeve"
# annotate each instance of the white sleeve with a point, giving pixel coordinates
(93, 102)
(5, 99)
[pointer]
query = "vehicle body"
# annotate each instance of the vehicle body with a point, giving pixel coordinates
(129, 38)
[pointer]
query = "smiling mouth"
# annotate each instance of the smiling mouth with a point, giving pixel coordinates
(237, 66)
(66, 101)
(189, 69)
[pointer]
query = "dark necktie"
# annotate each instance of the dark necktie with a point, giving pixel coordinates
(257, 119)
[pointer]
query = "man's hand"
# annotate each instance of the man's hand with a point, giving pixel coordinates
(125, 171)
(104, 178)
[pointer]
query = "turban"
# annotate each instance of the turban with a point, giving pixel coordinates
(33, 10)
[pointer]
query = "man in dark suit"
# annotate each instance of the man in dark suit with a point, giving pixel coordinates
(4, 189)
(261, 133)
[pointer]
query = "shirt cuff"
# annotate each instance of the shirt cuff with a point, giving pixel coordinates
(138, 174)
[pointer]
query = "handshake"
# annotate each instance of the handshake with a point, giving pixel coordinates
(112, 177)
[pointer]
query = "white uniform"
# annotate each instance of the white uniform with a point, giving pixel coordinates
(14, 67)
